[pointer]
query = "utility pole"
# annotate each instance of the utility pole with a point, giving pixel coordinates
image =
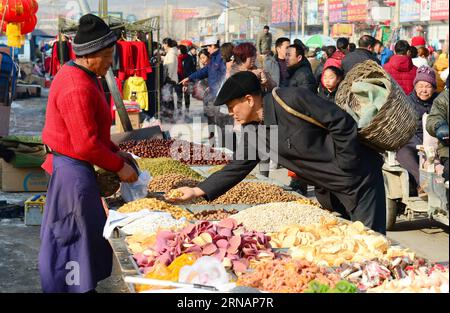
(397, 14)
(227, 21)
(303, 18)
(290, 19)
(297, 20)
(326, 18)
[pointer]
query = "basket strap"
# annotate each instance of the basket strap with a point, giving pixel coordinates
(291, 111)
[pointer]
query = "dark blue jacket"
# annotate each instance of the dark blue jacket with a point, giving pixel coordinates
(215, 72)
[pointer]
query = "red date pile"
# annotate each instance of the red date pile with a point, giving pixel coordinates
(181, 150)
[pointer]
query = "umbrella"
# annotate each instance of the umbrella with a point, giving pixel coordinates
(318, 41)
(186, 43)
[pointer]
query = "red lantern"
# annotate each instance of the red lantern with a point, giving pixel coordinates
(29, 25)
(17, 11)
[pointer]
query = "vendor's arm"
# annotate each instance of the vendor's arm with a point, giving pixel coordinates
(341, 125)
(79, 119)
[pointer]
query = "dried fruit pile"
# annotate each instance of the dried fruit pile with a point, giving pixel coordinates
(166, 183)
(286, 275)
(273, 217)
(331, 243)
(184, 151)
(214, 215)
(226, 241)
(155, 205)
(163, 166)
(254, 193)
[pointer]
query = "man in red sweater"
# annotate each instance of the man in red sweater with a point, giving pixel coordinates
(401, 67)
(74, 256)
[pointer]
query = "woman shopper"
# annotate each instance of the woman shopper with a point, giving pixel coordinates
(170, 76)
(74, 256)
(421, 99)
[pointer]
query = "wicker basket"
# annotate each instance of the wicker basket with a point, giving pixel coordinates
(394, 124)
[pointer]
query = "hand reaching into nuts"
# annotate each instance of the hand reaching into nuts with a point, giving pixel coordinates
(184, 194)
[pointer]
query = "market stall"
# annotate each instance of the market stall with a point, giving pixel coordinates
(257, 235)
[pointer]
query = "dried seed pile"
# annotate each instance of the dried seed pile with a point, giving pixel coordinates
(214, 215)
(166, 183)
(155, 205)
(150, 224)
(273, 217)
(163, 166)
(254, 193)
(186, 152)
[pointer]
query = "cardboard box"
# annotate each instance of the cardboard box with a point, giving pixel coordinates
(134, 119)
(5, 113)
(23, 179)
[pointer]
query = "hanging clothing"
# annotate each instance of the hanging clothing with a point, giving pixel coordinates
(61, 53)
(138, 85)
(133, 59)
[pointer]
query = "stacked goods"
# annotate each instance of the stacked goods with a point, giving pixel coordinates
(163, 166)
(214, 215)
(330, 243)
(286, 275)
(421, 280)
(254, 193)
(225, 241)
(273, 217)
(153, 222)
(155, 205)
(186, 152)
(166, 183)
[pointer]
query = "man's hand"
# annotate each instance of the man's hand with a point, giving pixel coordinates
(442, 134)
(188, 194)
(127, 174)
(184, 81)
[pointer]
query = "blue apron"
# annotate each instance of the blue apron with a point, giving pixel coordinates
(73, 256)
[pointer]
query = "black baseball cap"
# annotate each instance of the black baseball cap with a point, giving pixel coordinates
(238, 86)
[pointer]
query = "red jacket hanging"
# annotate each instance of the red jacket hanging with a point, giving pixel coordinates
(133, 59)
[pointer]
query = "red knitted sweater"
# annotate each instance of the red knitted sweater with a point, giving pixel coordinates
(78, 121)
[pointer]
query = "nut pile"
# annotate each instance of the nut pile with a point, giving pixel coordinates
(163, 166)
(186, 152)
(155, 205)
(273, 217)
(286, 275)
(214, 215)
(166, 183)
(254, 193)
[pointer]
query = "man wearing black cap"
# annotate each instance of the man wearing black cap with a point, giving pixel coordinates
(315, 139)
(74, 256)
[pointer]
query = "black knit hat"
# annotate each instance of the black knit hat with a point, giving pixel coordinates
(92, 36)
(237, 86)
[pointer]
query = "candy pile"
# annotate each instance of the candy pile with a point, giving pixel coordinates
(226, 241)
(285, 275)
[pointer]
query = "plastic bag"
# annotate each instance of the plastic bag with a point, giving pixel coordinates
(199, 90)
(206, 271)
(138, 189)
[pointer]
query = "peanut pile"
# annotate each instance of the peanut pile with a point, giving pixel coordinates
(166, 183)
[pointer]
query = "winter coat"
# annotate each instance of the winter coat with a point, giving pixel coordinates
(272, 66)
(385, 56)
(438, 116)
(215, 72)
(358, 56)
(403, 71)
(301, 75)
(264, 43)
(324, 93)
(440, 65)
(171, 64)
(419, 61)
(421, 107)
(335, 60)
(186, 66)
